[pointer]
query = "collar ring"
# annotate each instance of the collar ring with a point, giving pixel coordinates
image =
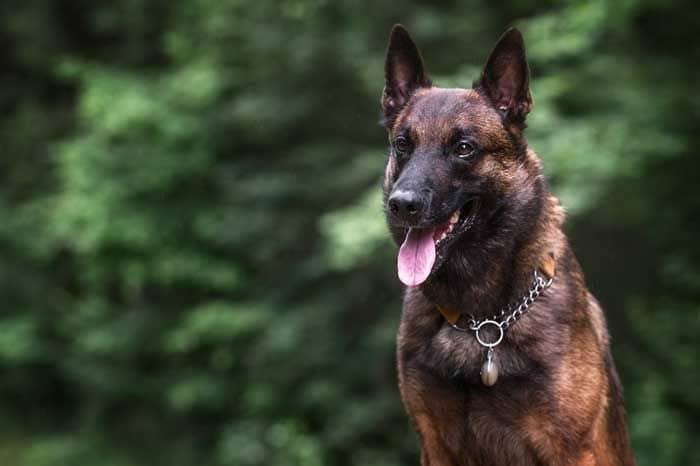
(493, 343)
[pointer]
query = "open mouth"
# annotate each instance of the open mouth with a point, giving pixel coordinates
(419, 251)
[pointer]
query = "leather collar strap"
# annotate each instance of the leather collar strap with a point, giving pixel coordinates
(547, 268)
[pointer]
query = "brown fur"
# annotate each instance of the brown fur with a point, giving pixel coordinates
(558, 400)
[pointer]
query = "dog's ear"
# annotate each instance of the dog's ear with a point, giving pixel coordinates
(403, 73)
(505, 79)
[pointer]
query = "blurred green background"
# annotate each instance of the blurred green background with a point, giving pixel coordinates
(194, 266)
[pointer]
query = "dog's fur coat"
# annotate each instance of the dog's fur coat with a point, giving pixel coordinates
(558, 400)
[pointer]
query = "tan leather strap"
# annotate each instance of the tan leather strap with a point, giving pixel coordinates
(450, 315)
(548, 265)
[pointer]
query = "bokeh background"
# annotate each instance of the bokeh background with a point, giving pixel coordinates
(194, 266)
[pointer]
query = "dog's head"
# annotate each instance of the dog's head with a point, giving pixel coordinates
(458, 177)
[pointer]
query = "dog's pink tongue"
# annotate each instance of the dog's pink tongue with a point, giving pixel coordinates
(416, 256)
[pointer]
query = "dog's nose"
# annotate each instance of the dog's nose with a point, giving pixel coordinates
(406, 205)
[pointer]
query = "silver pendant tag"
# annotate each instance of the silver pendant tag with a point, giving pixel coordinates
(489, 371)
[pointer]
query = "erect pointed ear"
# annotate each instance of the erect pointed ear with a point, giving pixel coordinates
(505, 79)
(403, 72)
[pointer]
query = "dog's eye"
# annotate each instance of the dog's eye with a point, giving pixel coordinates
(401, 145)
(464, 149)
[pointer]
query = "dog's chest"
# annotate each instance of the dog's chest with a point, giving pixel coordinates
(464, 423)
(460, 420)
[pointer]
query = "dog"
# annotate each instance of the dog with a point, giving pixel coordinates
(503, 354)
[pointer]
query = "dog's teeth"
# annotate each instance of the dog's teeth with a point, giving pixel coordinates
(454, 217)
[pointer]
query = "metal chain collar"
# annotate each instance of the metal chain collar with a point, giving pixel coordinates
(508, 315)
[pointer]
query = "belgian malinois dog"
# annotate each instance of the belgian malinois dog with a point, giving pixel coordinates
(503, 354)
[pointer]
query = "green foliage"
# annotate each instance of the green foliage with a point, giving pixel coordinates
(195, 265)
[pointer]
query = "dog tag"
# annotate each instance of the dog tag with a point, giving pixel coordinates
(489, 371)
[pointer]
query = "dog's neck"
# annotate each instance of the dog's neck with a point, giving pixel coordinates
(498, 271)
